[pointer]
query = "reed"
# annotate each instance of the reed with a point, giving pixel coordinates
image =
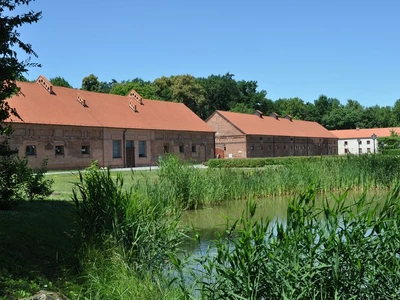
(189, 187)
(338, 251)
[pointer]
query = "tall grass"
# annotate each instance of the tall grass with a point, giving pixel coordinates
(338, 251)
(189, 187)
(126, 236)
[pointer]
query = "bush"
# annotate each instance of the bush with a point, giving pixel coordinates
(20, 182)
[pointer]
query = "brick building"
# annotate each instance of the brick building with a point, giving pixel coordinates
(71, 128)
(243, 135)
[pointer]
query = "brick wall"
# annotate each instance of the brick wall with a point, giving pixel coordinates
(235, 144)
(81, 145)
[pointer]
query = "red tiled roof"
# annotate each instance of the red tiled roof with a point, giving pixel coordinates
(38, 106)
(364, 133)
(253, 124)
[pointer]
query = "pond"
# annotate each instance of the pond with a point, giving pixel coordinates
(211, 222)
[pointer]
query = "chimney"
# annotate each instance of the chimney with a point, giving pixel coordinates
(132, 106)
(258, 113)
(44, 82)
(80, 99)
(274, 115)
(136, 96)
(289, 117)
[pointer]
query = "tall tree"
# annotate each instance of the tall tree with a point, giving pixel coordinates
(146, 89)
(11, 67)
(60, 81)
(182, 88)
(221, 92)
(292, 106)
(91, 83)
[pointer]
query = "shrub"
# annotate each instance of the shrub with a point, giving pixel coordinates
(20, 182)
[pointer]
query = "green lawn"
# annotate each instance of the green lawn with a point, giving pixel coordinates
(36, 246)
(65, 181)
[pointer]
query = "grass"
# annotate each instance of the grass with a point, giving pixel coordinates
(36, 246)
(42, 243)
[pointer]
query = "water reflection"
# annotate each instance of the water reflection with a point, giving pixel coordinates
(211, 222)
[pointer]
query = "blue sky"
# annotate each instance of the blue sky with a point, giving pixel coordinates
(343, 49)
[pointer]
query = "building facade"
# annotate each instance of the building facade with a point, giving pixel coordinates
(244, 135)
(361, 141)
(71, 128)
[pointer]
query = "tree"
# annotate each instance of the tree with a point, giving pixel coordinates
(91, 83)
(11, 67)
(182, 88)
(60, 81)
(221, 92)
(146, 89)
(292, 106)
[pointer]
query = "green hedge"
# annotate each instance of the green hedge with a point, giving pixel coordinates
(261, 162)
(391, 151)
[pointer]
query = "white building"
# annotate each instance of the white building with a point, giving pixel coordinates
(361, 141)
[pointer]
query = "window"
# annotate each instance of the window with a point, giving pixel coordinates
(251, 148)
(59, 150)
(260, 138)
(345, 143)
(85, 149)
(368, 142)
(30, 150)
(224, 148)
(359, 150)
(181, 148)
(346, 150)
(142, 149)
(368, 150)
(261, 147)
(194, 148)
(360, 142)
(284, 147)
(116, 148)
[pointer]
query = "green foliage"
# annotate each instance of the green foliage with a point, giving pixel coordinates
(107, 275)
(91, 83)
(11, 68)
(261, 161)
(110, 215)
(60, 81)
(20, 182)
(340, 251)
(145, 88)
(390, 145)
(182, 88)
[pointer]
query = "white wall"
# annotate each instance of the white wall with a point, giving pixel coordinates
(357, 146)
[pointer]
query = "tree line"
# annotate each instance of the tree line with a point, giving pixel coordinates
(204, 95)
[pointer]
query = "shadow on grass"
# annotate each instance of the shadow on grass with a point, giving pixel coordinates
(36, 244)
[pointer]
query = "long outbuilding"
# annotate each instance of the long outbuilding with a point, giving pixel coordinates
(71, 128)
(241, 135)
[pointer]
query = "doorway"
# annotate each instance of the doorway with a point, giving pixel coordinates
(130, 153)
